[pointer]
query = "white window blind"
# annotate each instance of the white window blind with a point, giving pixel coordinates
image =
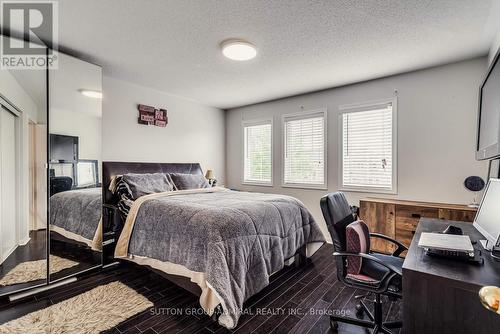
(367, 148)
(257, 153)
(304, 150)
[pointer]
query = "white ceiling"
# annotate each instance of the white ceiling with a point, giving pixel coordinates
(173, 46)
(65, 84)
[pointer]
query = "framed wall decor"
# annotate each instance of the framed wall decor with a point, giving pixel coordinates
(161, 118)
(149, 115)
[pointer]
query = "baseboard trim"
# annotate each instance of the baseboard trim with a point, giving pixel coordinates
(23, 242)
(8, 253)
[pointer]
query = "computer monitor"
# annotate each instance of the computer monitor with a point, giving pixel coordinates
(487, 220)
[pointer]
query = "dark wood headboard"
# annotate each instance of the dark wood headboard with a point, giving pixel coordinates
(114, 168)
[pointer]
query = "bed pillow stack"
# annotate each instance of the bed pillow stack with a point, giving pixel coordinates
(189, 181)
(130, 187)
(145, 184)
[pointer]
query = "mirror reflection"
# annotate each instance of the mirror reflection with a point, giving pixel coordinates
(74, 167)
(23, 178)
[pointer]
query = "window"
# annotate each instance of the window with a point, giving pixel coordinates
(87, 173)
(304, 150)
(257, 141)
(368, 147)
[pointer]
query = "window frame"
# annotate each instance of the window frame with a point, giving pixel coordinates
(305, 115)
(256, 122)
(365, 106)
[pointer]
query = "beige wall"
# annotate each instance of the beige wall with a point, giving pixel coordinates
(494, 48)
(87, 127)
(436, 133)
(195, 133)
(41, 175)
(17, 95)
(494, 17)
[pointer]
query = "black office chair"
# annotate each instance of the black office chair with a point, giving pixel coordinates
(59, 184)
(359, 268)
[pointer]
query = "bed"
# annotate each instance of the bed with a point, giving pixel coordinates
(76, 215)
(221, 245)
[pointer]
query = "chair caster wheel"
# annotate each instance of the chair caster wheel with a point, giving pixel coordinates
(334, 326)
(359, 310)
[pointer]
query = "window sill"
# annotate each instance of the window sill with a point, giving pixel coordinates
(247, 183)
(305, 186)
(369, 190)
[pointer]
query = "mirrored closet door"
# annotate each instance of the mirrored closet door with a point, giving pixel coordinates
(23, 177)
(74, 167)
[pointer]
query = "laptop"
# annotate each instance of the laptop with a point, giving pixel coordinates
(446, 242)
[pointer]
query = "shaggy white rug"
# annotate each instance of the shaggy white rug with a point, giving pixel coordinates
(94, 311)
(35, 270)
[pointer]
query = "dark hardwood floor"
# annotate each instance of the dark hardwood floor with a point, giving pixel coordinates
(75, 251)
(297, 300)
(34, 250)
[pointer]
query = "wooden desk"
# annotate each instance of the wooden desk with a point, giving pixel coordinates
(440, 295)
(398, 219)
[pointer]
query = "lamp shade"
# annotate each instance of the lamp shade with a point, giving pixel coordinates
(210, 174)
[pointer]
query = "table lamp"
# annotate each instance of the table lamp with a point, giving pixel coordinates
(210, 177)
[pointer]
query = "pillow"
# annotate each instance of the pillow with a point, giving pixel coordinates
(122, 190)
(189, 181)
(145, 184)
(358, 241)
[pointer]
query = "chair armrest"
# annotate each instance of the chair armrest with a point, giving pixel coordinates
(391, 268)
(401, 248)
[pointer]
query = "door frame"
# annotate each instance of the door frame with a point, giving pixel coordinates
(32, 193)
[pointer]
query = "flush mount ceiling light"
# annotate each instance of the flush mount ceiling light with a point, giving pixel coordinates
(239, 50)
(91, 93)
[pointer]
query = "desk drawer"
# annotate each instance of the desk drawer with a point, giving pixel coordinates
(405, 229)
(407, 218)
(458, 215)
(416, 212)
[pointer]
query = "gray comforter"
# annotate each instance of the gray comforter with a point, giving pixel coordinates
(77, 211)
(238, 239)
